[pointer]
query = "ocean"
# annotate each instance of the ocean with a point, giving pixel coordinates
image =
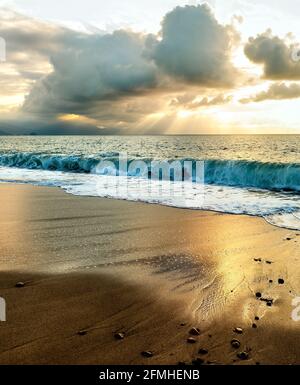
(242, 174)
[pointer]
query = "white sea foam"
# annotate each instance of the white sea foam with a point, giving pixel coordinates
(281, 209)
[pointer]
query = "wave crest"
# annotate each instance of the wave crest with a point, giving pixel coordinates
(240, 173)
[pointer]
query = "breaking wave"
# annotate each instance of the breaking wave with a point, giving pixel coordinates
(239, 173)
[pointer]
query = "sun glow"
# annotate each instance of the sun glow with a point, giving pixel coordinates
(185, 114)
(77, 118)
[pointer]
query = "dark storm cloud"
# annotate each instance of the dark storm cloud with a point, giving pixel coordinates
(116, 79)
(194, 47)
(277, 91)
(97, 68)
(276, 55)
(52, 127)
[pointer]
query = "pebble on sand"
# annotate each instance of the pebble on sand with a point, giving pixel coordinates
(254, 326)
(243, 355)
(147, 354)
(82, 332)
(119, 336)
(256, 318)
(195, 332)
(20, 284)
(268, 301)
(198, 361)
(203, 351)
(235, 343)
(191, 340)
(258, 294)
(238, 330)
(280, 281)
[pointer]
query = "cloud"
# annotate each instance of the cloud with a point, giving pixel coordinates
(115, 80)
(30, 42)
(195, 48)
(27, 126)
(277, 91)
(276, 56)
(97, 68)
(90, 69)
(191, 101)
(29, 45)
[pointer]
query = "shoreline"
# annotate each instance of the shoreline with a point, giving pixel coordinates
(214, 211)
(117, 266)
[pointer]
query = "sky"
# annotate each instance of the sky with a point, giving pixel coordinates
(149, 67)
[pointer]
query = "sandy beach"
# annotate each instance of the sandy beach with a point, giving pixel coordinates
(93, 268)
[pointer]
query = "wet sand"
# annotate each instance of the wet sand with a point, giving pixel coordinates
(101, 267)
